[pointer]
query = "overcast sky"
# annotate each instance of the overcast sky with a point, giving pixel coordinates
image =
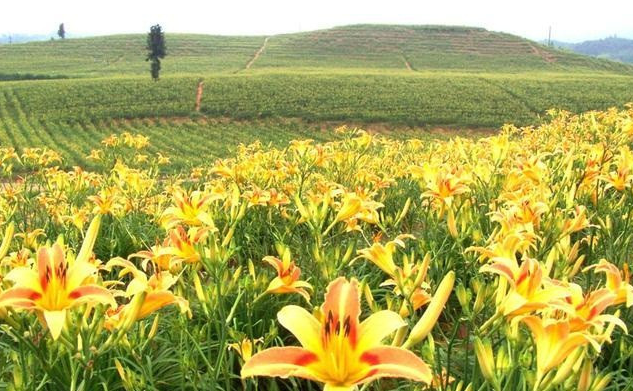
(570, 20)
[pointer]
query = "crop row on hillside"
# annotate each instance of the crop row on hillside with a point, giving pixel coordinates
(71, 116)
(422, 99)
(125, 54)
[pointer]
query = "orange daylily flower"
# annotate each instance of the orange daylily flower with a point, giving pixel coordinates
(337, 349)
(554, 341)
(617, 282)
(54, 285)
(182, 243)
(382, 255)
(529, 289)
(444, 187)
(148, 295)
(587, 309)
(245, 347)
(160, 255)
(30, 238)
(108, 201)
(189, 209)
(410, 283)
(287, 280)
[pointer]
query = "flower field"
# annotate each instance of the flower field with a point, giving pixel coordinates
(366, 263)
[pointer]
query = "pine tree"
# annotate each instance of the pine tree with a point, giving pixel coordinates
(61, 31)
(156, 49)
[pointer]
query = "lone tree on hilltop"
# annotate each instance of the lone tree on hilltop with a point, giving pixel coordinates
(61, 31)
(156, 49)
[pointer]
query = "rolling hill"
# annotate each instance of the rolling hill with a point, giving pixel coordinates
(350, 47)
(612, 48)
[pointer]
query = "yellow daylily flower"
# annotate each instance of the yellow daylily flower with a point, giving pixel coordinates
(337, 349)
(54, 284)
(554, 341)
(382, 255)
(287, 280)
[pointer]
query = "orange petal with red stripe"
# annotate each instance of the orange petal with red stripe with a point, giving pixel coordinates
(388, 361)
(281, 362)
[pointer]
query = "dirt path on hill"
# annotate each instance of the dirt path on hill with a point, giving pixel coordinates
(547, 57)
(257, 54)
(199, 95)
(406, 63)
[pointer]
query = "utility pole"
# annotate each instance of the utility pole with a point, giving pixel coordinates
(549, 37)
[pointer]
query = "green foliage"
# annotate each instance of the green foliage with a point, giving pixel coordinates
(156, 49)
(61, 32)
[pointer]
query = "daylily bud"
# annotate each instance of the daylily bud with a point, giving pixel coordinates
(485, 357)
(433, 311)
(305, 215)
(348, 253)
(577, 266)
(198, 288)
(463, 296)
(585, 376)
(479, 300)
(405, 210)
(565, 370)
(503, 361)
(121, 371)
(132, 314)
(89, 241)
(154, 329)
(369, 297)
(602, 381)
(17, 373)
(228, 237)
(6, 241)
(452, 225)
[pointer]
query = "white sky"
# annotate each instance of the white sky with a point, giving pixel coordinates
(570, 20)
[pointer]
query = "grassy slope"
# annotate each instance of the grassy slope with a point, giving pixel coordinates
(359, 46)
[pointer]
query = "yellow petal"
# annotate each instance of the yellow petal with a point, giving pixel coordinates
(302, 325)
(55, 321)
(25, 277)
(330, 387)
(377, 327)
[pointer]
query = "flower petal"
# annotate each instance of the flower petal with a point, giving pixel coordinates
(302, 325)
(157, 300)
(281, 362)
(24, 277)
(342, 305)
(377, 327)
(55, 321)
(388, 361)
(20, 297)
(78, 272)
(88, 293)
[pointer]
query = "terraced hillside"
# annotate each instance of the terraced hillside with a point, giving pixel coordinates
(421, 48)
(125, 54)
(405, 48)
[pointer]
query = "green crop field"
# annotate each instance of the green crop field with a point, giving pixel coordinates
(404, 77)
